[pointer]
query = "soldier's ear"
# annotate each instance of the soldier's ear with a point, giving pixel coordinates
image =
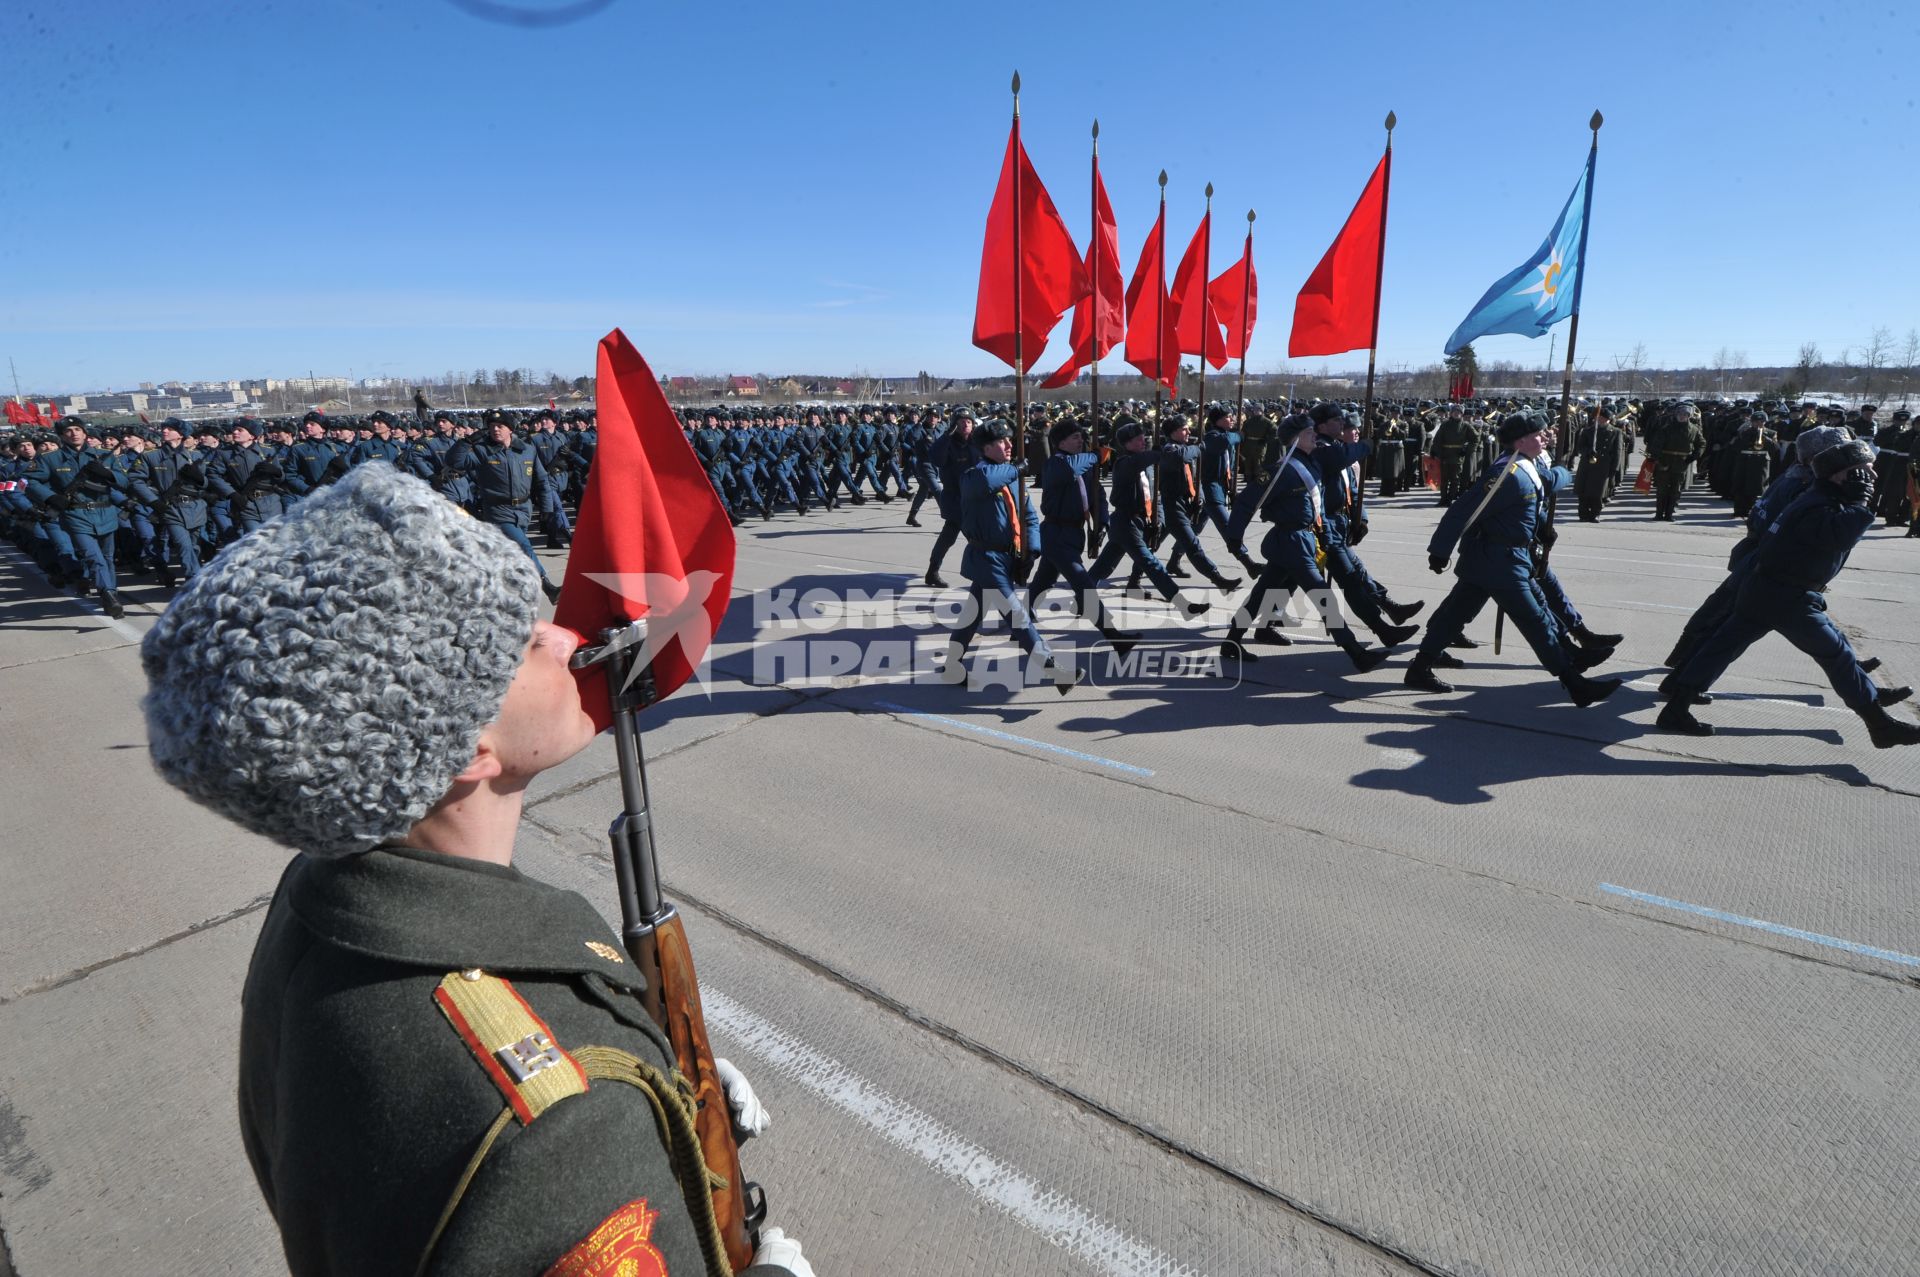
(485, 764)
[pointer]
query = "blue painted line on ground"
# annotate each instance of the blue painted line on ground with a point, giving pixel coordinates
(997, 734)
(1832, 942)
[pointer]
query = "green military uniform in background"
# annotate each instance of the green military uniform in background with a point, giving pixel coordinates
(1673, 444)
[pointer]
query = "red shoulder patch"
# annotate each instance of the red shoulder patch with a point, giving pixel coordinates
(617, 1248)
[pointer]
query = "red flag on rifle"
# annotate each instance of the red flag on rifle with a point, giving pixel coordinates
(1335, 310)
(1152, 345)
(1194, 320)
(1104, 301)
(1049, 273)
(652, 539)
(1236, 299)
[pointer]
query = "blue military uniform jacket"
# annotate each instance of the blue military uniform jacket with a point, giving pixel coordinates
(230, 475)
(87, 498)
(1071, 501)
(506, 481)
(1808, 544)
(987, 498)
(1219, 453)
(160, 474)
(1499, 546)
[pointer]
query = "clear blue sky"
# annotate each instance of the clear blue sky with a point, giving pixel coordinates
(199, 188)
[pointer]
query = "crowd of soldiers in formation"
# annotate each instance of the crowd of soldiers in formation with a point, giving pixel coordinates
(89, 503)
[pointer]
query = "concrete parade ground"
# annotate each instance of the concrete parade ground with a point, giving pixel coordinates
(1299, 973)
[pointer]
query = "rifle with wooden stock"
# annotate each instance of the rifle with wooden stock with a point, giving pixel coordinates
(656, 941)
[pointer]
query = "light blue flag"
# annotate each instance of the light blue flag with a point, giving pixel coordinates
(1546, 288)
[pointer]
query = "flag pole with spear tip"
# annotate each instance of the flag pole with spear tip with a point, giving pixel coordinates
(1565, 439)
(1093, 412)
(1246, 304)
(1373, 340)
(1206, 273)
(1160, 315)
(1019, 353)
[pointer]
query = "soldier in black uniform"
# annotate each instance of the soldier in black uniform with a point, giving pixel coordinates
(444, 1064)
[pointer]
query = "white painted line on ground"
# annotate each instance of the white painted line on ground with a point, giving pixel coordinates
(1832, 942)
(1046, 1211)
(835, 567)
(997, 734)
(1756, 698)
(1664, 607)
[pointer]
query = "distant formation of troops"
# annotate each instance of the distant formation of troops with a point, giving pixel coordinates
(91, 503)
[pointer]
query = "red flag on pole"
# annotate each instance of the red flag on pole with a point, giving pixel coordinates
(652, 539)
(1335, 310)
(1195, 320)
(1235, 293)
(1105, 300)
(1051, 275)
(1150, 335)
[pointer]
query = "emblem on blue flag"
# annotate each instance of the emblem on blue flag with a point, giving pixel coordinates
(1543, 290)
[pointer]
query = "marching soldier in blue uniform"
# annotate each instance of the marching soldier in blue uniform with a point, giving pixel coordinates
(1295, 550)
(1183, 503)
(887, 445)
(1073, 519)
(918, 440)
(314, 461)
(77, 481)
(839, 446)
(174, 483)
(1794, 562)
(551, 445)
(1219, 457)
(1495, 525)
(1338, 455)
(1001, 543)
(1136, 518)
(508, 480)
(252, 483)
(952, 456)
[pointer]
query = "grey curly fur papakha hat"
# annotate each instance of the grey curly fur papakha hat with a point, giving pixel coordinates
(325, 678)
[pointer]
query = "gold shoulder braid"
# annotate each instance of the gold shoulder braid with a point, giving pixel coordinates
(533, 1072)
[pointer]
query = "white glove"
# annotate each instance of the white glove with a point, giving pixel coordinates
(779, 1249)
(749, 1118)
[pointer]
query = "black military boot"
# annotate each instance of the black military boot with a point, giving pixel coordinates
(1893, 695)
(1234, 649)
(934, 579)
(1463, 643)
(1395, 634)
(1066, 675)
(1121, 641)
(1582, 659)
(1421, 678)
(1677, 717)
(1177, 572)
(1885, 730)
(1674, 692)
(110, 603)
(551, 590)
(1192, 607)
(912, 522)
(1402, 612)
(1364, 658)
(1591, 639)
(1586, 691)
(1271, 637)
(1224, 583)
(1869, 665)
(1445, 660)
(1252, 568)
(166, 573)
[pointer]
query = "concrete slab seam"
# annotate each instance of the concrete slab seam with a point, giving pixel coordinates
(81, 973)
(1046, 1211)
(997, 734)
(1760, 924)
